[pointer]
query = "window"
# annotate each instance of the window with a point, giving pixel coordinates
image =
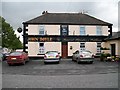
(82, 46)
(82, 30)
(98, 47)
(41, 30)
(64, 29)
(99, 30)
(41, 48)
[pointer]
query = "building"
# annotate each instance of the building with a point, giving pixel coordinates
(113, 43)
(64, 32)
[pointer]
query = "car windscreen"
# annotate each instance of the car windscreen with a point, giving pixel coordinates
(16, 53)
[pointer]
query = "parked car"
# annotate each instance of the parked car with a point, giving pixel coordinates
(17, 57)
(52, 56)
(83, 56)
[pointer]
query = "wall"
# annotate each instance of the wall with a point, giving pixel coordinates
(75, 46)
(33, 29)
(53, 46)
(108, 45)
(50, 29)
(33, 47)
(90, 30)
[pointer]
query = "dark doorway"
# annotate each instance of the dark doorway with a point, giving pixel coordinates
(113, 49)
(64, 49)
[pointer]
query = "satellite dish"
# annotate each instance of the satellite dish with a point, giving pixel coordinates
(19, 29)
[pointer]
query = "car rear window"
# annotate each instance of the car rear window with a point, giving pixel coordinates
(86, 52)
(16, 53)
(50, 52)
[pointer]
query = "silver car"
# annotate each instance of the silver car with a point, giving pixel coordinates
(51, 56)
(83, 56)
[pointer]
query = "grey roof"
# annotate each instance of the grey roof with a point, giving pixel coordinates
(116, 35)
(67, 18)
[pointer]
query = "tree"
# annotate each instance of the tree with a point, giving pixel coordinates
(9, 38)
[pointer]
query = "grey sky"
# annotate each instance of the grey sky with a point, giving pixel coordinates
(17, 12)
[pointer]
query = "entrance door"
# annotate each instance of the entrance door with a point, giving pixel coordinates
(113, 49)
(64, 49)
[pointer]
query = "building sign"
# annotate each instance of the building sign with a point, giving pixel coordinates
(66, 38)
(41, 39)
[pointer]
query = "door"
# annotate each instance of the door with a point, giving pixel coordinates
(113, 49)
(64, 49)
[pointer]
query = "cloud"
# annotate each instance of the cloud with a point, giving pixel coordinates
(16, 13)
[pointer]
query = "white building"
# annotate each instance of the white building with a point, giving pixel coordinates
(64, 32)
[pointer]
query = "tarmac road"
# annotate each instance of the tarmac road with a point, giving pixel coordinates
(67, 74)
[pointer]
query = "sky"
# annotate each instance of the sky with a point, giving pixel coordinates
(17, 12)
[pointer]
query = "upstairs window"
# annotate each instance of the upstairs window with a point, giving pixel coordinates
(42, 30)
(99, 30)
(82, 30)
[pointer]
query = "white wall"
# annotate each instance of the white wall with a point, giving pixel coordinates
(75, 46)
(90, 30)
(108, 45)
(33, 29)
(53, 46)
(33, 48)
(52, 29)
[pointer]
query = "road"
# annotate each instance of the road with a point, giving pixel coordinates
(67, 74)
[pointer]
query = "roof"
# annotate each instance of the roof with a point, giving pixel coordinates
(115, 36)
(67, 18)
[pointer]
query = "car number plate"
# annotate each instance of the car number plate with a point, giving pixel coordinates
(50, 56)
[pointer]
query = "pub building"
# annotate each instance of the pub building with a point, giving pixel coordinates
(65, 33)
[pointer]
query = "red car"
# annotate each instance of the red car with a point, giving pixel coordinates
(17, 57)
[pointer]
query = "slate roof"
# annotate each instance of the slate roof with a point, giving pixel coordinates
(67, 18)
(116, 35)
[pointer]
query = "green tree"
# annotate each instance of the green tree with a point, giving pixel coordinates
(9, 38)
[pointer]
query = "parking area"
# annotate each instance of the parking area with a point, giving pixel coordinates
(66, 67)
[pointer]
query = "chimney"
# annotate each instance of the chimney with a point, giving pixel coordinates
(44, 12)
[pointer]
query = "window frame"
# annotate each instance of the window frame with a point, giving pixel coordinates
(98, 47)
(42, 29)
(41, 48)
(82, 31)
(98, 30)
(82, 46)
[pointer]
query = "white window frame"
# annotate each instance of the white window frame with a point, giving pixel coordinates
(98, 47)
(82, 47)
(82, 32)
(41, 48)
(98, 30)
(42, 29)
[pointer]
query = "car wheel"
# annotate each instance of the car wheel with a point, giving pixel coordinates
(24, 62)
(91, 62)
(9, 64)
(73, 59)
(28, 59)
(45, 62)
(58, 62)
(77, 61)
